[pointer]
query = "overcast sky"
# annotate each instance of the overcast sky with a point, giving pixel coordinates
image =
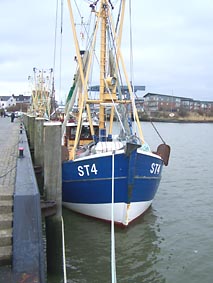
(172, 39)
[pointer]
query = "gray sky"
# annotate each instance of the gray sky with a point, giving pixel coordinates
(172, 39)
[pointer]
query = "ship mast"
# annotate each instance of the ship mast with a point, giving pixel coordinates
(41, 92)
(108, 82)
(108, 77)
(104, 14)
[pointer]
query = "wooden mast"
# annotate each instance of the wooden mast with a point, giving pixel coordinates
(107, 90)
(81, 76)
(83, 79)
(104, 12)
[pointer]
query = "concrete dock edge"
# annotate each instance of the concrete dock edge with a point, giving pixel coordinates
(28, 251)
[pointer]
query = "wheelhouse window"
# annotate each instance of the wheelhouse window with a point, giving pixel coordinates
(85, 132)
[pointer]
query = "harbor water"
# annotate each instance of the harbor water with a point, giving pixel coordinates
(173, 241)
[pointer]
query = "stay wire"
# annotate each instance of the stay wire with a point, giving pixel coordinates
(118, 18)
(55, 39)
(132, 68)
(153, 125)
(61, 41)
(131, 60)
(131, 49)
(89, 39)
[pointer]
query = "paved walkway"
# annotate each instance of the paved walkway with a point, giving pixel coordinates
(22, 257)
(9, 135)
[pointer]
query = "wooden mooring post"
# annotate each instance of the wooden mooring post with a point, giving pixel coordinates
(52, 190)
(25, 121)
(39, 152)
(38, 142)
(31, 131)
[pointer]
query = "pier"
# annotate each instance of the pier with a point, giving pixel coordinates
(21, 242)
(9, 137)
(23, 200)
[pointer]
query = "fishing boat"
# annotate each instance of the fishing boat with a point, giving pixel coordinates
(106, 166)
(42, 93)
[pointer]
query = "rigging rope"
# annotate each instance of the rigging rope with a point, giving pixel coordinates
(157, 131)
(131, 49)
(86, 30)
(56, 25)
(118, 18)
(113, 47)
(62, 5)
(131, 61)
(153, 125)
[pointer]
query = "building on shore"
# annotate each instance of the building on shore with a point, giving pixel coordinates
(14, 101)
(150, 102)
(7, 101)
(154, 102)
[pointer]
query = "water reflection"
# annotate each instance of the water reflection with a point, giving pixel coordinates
(88, 248)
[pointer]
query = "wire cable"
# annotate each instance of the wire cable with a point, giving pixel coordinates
(61, 41)
(55, 39)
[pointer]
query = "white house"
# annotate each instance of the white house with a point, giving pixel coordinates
(13, 100)
(7, 101)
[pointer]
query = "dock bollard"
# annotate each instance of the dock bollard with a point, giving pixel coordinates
(21, 128)
(21, 152)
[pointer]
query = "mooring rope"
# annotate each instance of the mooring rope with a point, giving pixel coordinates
(113, 263)
(63, 250)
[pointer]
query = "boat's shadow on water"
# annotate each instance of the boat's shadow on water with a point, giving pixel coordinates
(88, 249)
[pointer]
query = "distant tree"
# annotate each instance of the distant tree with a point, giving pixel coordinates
(18, 107)
(200, 112)
(183, 112)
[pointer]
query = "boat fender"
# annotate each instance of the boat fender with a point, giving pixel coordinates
(163, 151)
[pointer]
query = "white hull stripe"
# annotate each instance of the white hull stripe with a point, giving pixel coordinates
(123, 213)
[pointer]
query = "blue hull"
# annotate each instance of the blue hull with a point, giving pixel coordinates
(88, 181)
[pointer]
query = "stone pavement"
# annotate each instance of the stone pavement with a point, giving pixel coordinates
(9, 138)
